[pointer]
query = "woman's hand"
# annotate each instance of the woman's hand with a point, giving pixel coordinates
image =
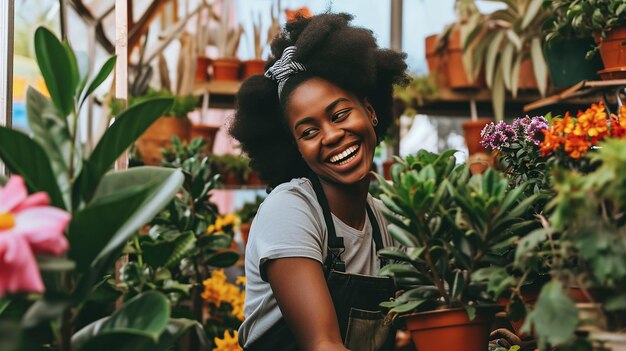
(300, 289)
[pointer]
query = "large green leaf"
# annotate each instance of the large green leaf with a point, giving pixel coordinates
(506, 62)
(498, 95)
(138, 325)
(490, 59)
(25, 157)
(129, 125)
(94, 226)
(58, 69)
(168, 252)
(164, 183)
(176, 328)
(539, 65)
(51, 131)
(531, 12)
(554, 317)
(100, 77)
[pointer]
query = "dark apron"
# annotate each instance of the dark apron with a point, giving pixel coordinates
(356, 297)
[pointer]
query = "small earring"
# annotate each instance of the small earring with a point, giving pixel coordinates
(375, 122)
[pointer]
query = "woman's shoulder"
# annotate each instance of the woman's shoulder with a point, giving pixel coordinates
(298, 191)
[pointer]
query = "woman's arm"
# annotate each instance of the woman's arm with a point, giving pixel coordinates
(300, 289)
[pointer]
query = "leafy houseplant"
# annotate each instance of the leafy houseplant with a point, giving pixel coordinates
(584, 242)
(509, 46)
(106, 207)
(173, 122)
(604, 19)
(226, 65)
(457, 228)
(415, 93)
(234, 169)
(566, 46)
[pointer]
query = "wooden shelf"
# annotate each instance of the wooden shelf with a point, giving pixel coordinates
(221, 93)
(585, 93)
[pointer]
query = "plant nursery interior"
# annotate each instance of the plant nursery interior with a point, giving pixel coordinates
(389, 175)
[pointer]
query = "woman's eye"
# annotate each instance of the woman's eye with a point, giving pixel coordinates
(341, 115)
(309, 133)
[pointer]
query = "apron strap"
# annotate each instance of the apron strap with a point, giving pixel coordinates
(335, 243)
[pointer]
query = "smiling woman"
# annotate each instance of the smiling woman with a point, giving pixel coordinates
(310, 126)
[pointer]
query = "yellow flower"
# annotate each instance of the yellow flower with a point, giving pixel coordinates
(241, 280)
(228, 343)
(218, 290)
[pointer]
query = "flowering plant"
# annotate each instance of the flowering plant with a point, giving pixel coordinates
(28, 226)
(223, 305)
(569, 139)
(517, 146)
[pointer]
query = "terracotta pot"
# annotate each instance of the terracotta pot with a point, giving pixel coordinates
(613, 50)
(252, 67)
(244, 229)
(471, 130)
(226, 69)
(479, 162)
(450, 329)
(456, 74)
(254, 179)
(436, 62)
(231, 179)
(159, 135)
(530, 294)
(527, 78)
(202, 68)
(206, 132)
(387, 168)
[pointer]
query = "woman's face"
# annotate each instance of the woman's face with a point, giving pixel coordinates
(333, 131)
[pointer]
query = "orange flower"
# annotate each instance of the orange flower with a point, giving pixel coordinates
(228, 342)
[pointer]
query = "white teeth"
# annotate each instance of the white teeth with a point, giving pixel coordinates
(339, 158)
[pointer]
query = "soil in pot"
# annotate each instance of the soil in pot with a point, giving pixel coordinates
(450, 329)
(159, 135)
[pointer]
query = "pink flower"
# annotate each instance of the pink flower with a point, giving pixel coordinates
(28, 226)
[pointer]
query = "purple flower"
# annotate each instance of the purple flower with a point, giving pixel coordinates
(534, 130)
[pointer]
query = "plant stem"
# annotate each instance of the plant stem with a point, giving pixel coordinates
(139, 252)
(73, 133)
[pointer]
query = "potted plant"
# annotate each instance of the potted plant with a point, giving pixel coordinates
(446, 60)
(234, 169)
(257, 64)
(246, 214)
(173, 122)
(508, 45)
(566, 46)
(605, 20)
(226, 65)
(106, 209)
(455, 227)
(583, 238)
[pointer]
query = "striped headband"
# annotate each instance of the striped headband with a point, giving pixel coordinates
(284, 68)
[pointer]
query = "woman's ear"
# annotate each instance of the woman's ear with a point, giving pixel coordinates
(370, 111)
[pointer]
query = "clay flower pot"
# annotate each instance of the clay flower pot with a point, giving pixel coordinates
(202, 68)
(159, 135)
(253, 67)
(226, 69)
(613, 53)
(471, 130)
(450, 329)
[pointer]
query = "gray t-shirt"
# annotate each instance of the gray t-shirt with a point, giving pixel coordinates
(290, 223)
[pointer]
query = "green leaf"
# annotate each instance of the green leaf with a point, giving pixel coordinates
(616, 303)
(531, 12)
(394, 253)
(517, 64)
(177, 328)
(4, 303)
(539, 65)
(168, 253)
(129, 125)
(497, 95)
(554, 317)
(25, 157)
(43, 311)
(409, 306)
(529, 243)
(514, 39)
(138, 324)
(490, 61)
(51, 132)
(222, 259)
(402, 236)
(506, 62)
(164, 183)
(51, 263)
(92, 228)
(57, 68)
(100, 77)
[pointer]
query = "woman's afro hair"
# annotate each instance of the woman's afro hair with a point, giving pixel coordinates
(330, 49)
